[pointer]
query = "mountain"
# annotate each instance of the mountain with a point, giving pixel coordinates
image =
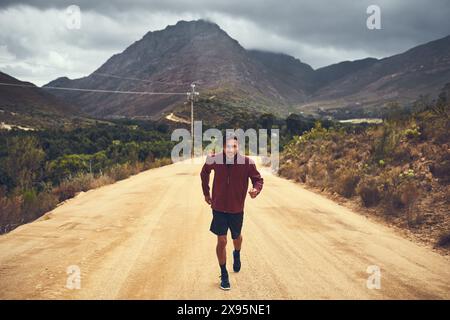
(229, 76)
(422, 70)
(170, 60)
(25, 94)
(23, 103)
(324, 76)
(292, 76)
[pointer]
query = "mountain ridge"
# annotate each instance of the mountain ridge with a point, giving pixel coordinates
(200, 51)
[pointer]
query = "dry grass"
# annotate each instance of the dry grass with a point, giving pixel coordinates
(100, 181)
(18, 209)
(394, 168)
(157, 163)
(444, 240)
(71, 186)
(346, 182)
(368, 191)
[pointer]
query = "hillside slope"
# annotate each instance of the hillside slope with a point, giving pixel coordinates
(422, 70)
(23, 103)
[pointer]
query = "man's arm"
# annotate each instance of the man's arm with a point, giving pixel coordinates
(204, 174)
(256, 179)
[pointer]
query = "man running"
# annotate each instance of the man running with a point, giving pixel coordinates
(231, 173)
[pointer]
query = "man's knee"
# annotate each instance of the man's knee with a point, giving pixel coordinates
(222, 241)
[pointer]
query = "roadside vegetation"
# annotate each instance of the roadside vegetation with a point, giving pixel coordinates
(39, 169)
(398, 170)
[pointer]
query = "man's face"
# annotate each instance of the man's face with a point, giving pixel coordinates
(231, 148)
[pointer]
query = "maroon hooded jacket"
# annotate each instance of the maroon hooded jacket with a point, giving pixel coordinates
(230, 181)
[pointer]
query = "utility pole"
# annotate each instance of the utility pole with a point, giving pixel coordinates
(192, 97)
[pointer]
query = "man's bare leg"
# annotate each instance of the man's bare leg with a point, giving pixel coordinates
(237, 243)
(237, 253)
(221, 249)
(222, 258)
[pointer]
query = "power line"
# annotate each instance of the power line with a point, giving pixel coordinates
(95, 73)
(93, 90)
(134, 79)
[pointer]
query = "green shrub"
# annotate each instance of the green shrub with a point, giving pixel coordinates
(22, 162)
(412, 133)
(67, 165)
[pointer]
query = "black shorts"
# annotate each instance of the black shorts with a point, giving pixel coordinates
(222, 221)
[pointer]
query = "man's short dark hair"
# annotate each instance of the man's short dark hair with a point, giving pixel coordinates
(228, 137)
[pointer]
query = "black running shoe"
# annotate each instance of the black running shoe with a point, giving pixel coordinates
(237, 261)
(224, 282)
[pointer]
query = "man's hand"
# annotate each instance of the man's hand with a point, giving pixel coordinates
(253, 193)
(208, 199)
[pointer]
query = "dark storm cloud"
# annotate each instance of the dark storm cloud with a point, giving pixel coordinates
(317, 32)
(324, 23)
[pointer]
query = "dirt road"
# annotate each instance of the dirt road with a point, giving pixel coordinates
(148, 237)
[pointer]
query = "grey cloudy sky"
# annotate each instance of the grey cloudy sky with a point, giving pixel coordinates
(37, 46)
